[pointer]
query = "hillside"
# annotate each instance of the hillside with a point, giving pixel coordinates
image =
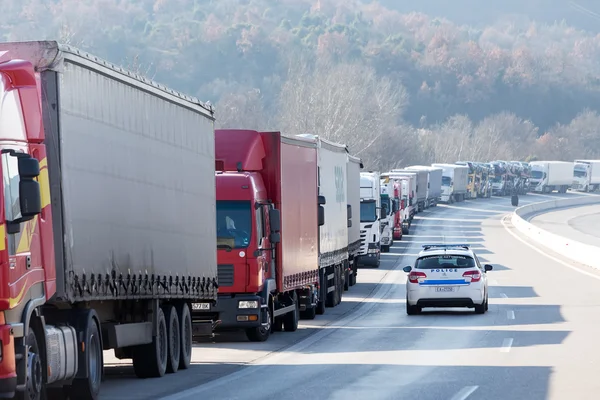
(398, 86)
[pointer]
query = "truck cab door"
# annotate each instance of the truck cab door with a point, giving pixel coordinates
(22, 240)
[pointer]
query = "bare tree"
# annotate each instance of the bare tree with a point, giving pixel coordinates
(345, 103)
(242, 110)
(138, 67)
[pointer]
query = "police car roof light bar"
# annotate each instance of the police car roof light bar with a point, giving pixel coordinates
(445, 246)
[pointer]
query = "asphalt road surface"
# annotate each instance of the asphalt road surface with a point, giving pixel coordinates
(536, 342)
(581, 223)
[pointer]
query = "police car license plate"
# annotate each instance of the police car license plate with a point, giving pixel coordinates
(445, 289)
(200, 306)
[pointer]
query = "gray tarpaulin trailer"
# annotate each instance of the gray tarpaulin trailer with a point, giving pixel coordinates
(130, 165)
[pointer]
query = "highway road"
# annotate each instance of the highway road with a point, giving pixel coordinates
(581, 223)
(536, 342)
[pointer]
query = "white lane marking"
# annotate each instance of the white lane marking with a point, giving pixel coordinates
(548, 255)
(464, 393)
(493, 282)
(510, 314)
(506, 345)
(503, 295)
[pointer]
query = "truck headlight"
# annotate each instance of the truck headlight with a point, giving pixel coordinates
(248, 304)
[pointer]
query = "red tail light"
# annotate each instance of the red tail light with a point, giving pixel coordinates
(414, 276)
(474, 275)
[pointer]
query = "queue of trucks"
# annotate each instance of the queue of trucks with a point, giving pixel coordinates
(130, 223)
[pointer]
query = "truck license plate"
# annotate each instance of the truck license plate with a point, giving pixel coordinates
(445, 289)
(200, 306)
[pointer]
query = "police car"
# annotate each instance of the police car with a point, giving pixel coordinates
(447, 275)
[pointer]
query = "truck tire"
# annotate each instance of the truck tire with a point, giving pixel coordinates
(322, 292)
(185, 329)
(260, 333)
(385, 248)
(89, 388)
(150, 360)
(290, 320)
(332, 296)
(34, 380)
(174, 334)
(309, 313)
(347, 280)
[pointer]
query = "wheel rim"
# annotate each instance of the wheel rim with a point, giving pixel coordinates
(34, 374)
(265, 329)
(94, 361)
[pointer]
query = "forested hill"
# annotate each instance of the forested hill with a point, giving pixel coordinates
(394, 79)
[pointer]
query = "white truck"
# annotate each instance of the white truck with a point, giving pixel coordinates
(390, 203)
(353, 200)
(434, 183)
(454, 182)
(547, 176)
(586, 176)
(370, 215)
(332, 161)
(421, 177)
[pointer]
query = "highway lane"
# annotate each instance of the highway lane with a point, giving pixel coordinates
(534, 343)
(229, 352)
(580, 223)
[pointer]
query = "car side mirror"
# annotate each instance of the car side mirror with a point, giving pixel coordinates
(488, 267)
(407, 269)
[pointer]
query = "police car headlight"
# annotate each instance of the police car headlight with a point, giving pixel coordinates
(248, 304)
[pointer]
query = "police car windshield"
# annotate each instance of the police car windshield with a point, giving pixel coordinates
(445, 261)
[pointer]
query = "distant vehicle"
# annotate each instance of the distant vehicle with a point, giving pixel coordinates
(447, 275)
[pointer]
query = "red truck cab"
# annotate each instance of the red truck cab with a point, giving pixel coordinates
(23, 275)
(399, 210)
(267, 232)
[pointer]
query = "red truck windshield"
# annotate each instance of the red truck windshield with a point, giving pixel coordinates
(234, 223)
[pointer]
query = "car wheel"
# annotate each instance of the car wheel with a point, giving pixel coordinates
(480, 308)
(412, 310)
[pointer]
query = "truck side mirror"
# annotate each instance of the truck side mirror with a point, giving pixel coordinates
(30, 198)
(275, 237)
(274, 220)
(382, 213)
(321, 215)
(395, 206)
(321, 200)
(349, 223)
(349, 211)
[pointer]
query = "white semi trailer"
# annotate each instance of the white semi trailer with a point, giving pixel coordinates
(548, 176)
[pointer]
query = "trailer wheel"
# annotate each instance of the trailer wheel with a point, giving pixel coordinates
(322, 292)
(353, 278)
(174, 334)
(347, 280)
(150, 360)
(290, 321)
(261, 333)
(89, 388)
(185, 329)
